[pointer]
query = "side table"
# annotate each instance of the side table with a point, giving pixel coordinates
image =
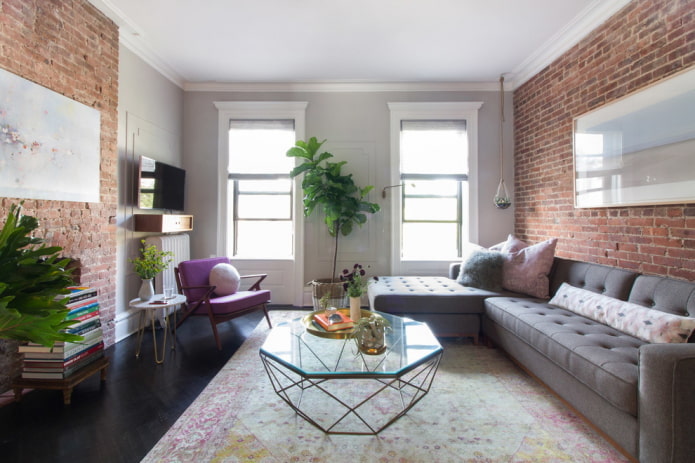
(150, 307)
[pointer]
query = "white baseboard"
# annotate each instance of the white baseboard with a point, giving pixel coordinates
(126, 323)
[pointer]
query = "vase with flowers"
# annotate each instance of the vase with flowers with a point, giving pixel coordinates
(355, 285)
(149, 265)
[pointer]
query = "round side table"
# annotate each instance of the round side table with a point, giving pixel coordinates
(150, 308)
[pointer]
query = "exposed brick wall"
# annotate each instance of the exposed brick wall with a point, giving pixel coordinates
(71, 48)
(645, 42)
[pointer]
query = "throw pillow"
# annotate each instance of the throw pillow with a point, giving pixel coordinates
(225, 278)
(513, 244)
(482, 269)
(641, 322)
(526, 268)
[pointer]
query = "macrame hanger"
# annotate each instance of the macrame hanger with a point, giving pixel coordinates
(502, 199)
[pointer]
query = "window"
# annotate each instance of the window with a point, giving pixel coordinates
(434, 159)
(258, 219)
(259, 188)
(434, 169)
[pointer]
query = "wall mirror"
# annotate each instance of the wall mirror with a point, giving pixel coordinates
(640, 149)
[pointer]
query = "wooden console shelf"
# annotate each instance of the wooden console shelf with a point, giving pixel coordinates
(66, 385)
(163, 223)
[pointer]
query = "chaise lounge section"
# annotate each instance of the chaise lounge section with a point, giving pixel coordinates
(636, 391)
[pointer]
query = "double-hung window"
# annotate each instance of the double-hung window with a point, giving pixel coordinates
(260, 189)
(434, 161)
(434, 172)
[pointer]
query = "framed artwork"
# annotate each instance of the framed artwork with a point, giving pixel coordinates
(639, 150)
(49, 144)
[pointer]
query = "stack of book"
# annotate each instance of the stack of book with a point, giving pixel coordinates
(336, 322)
(64, 358)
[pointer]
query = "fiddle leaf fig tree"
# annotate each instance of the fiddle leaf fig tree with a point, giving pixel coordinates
(32, 278)
(325, 186)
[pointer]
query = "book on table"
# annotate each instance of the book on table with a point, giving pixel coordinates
(330, 325)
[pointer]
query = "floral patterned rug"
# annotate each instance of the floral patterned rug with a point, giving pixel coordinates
(481, 408)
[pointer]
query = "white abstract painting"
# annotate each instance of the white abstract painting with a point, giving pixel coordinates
(49, 144)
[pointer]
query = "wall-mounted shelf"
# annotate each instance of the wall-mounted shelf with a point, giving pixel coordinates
(163, 223)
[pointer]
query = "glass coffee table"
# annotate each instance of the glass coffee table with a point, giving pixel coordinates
(340, 390)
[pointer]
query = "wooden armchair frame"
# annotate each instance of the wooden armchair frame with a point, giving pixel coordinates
(223, 308)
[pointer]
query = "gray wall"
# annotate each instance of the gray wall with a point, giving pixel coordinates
(360, 118)
(150, 121)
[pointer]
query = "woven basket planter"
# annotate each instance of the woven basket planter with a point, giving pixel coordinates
(335, 291)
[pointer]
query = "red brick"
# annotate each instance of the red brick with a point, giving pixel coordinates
(643, 43)
(46, 41)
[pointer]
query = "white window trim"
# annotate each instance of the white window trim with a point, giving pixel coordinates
(431, 111)
(227, 110)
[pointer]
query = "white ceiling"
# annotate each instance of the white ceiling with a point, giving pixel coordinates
(200, 42)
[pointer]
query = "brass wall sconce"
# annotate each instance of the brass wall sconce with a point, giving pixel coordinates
(383, 192)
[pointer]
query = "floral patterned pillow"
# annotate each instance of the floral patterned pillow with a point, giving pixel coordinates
(641, 322)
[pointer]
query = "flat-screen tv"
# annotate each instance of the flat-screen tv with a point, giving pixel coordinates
(160, 185)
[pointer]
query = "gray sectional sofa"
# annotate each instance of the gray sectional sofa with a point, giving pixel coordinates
(638, 393)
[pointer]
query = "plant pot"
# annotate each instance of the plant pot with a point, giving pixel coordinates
(146, 290)
(371, 337)
(334, 290)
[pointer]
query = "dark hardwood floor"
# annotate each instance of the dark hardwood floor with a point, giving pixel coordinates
(121, 419)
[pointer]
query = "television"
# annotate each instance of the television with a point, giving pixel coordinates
(160, 185)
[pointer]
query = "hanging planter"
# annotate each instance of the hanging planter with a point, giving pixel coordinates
(502, 199)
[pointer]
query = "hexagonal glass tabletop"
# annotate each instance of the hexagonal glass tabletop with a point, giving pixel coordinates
(341, 390)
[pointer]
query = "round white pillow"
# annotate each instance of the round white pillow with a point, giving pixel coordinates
(225, 278)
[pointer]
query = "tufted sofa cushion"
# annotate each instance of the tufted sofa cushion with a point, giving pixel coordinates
(670, 296)
(609, 281)
(440, 295)
(602, 358)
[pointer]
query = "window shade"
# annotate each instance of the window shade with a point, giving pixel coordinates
(434, 147)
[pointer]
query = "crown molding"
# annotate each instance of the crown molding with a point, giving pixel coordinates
(589, 19)
(130, 36)
(294, 87)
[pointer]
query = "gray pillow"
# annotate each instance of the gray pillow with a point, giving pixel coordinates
(482, 269)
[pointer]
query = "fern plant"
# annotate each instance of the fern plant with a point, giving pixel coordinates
(32, 279)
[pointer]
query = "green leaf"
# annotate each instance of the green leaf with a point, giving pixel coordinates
(298, 152)
(300, 169)
(32, 280)
(329, 190)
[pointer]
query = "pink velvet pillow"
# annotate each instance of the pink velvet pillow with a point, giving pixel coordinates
(526, 268)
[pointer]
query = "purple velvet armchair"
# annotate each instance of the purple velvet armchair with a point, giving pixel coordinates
(192, 278)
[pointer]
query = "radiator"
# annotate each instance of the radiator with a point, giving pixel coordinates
(179, 246)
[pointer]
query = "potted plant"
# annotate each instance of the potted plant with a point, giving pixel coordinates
(369, 334)
(355, 285)
(32, 280)
(335, 194)
(151, 263)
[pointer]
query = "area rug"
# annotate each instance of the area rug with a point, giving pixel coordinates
(481, 408)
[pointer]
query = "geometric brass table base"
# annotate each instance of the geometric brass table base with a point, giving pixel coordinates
(351, 403)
